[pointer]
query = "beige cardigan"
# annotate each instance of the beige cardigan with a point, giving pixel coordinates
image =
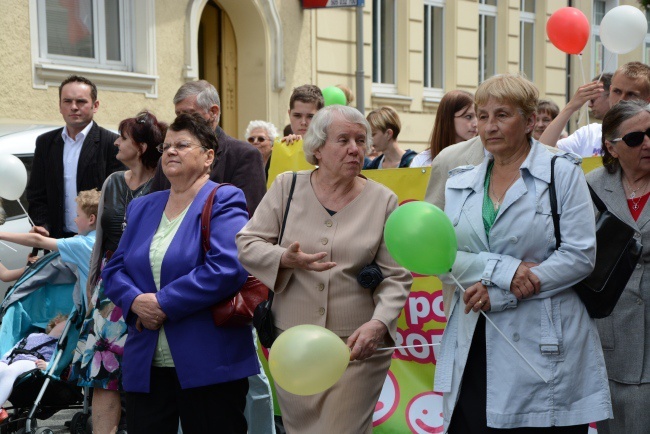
(352, 238)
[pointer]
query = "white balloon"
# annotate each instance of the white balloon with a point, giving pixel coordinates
(13, 177)
(623, 29)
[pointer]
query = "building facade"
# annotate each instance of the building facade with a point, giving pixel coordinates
(256, 51)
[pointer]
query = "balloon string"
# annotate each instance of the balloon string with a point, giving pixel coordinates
(602, 71)
(407, 346)
(584, 80)
(27, 214)
(600, 77)
(8, 246)
(487, 318)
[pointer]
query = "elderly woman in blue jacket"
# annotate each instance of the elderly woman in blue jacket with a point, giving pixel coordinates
(507, 260)
(177, 363)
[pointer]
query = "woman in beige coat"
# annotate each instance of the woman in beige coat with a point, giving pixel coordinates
(333, 230)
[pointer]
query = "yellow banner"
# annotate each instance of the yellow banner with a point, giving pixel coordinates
(286, 158)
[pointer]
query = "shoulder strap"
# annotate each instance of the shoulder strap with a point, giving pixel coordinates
(600, 205)
(286, 209)
(284, 223)
(206, 215)
(553, 198)
(20, 349)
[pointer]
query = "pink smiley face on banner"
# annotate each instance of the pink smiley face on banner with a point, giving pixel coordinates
(388, 400)
(424, 413)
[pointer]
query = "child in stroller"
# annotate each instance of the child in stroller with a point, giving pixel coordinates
(33, 351)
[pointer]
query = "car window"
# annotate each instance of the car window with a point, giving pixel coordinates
(12, 208)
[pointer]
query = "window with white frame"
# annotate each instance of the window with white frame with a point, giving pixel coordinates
(384, 31)
(434, 11)
(487, 43)
(602, 60)
(527, 38)
(93, 33)
(95, 38)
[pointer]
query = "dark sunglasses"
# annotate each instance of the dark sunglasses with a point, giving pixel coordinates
(258, 139)
(633, 139)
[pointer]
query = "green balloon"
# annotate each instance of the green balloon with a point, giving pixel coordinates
(333, 95)
(421, 238)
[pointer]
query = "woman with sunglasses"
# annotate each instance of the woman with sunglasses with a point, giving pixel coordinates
(262, 134)
(98, 359)
(177, 363)
(623, 184)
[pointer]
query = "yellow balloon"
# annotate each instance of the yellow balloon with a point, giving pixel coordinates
(308, 359)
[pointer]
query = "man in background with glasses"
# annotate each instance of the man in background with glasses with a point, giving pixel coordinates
(236, 162)
(75, 158)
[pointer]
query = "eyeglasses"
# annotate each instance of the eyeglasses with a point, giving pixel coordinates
(633, 139)
(180, 147)
(258, 139)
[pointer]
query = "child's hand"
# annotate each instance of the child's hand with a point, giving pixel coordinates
(40, 230)
(291, 138)
(41, 364)
(31, 259)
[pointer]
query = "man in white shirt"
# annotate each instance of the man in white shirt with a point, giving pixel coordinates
(74, 158)
(630, 81)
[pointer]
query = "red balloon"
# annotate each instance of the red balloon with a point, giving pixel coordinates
(568, 30)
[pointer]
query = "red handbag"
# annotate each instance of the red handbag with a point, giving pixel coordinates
(237, 310)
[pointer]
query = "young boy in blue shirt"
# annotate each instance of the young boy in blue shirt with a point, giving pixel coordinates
(75, 250)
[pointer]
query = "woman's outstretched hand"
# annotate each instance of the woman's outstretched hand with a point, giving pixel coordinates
(293, 257)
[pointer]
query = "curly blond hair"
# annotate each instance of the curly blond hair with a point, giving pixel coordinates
(88, 201)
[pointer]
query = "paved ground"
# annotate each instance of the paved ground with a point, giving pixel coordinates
(57, 422)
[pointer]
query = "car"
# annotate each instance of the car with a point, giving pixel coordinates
(19, 140)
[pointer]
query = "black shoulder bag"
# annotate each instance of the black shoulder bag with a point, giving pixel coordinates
(263, 317)
(617, 253)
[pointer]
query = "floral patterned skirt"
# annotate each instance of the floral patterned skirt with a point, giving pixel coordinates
(97, 360)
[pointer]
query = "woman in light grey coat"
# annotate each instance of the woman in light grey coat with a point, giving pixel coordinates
(623, 184)
(509, 264)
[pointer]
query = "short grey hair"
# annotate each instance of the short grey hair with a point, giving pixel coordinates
(206, 94)
(317, 132)
(270, 129)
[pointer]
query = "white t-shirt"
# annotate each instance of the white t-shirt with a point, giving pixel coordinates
(423, 159)
(585, 141)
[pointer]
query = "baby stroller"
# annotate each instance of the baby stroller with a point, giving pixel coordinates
(48, 287)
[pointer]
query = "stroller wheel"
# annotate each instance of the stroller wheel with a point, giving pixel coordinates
(78, 423)
(44, 431)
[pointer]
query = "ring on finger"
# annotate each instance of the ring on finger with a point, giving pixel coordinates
(480, 302)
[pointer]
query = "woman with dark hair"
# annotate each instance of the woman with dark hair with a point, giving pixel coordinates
(99, 351)
(177, 363)
(455, 122)
(623, 184)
